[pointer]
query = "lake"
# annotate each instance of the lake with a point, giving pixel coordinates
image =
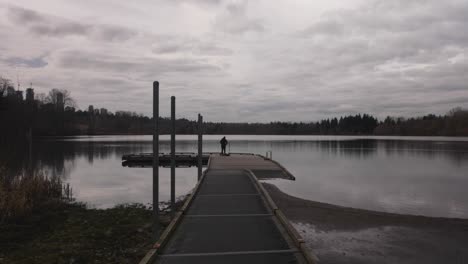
(408, 175)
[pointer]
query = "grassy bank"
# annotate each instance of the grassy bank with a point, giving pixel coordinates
(71, 233)
(40, 223)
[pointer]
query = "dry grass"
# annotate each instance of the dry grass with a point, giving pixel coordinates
(24, 193)
(39, 224)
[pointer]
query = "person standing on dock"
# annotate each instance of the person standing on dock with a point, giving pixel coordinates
(223, 143)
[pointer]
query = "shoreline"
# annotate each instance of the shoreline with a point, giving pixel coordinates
(329, 216)
(364, 136)
(337, 234)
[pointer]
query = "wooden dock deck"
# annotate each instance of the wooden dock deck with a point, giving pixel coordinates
(230, 218)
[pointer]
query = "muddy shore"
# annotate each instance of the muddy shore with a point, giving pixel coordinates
(339, 234)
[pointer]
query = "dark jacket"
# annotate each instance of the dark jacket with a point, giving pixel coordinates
(223, 142)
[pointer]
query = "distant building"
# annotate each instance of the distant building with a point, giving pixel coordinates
(96, 111)
(104, 111)
(10, 91)
(30, 95)
(60, 103)
(19, 95)
(91, 109)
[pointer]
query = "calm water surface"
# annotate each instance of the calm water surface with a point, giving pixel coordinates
(409, 175)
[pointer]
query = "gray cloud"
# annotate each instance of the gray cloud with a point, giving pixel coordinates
(38, 62)
(169, 48)
(236, 21)
(60, 30)
(26, 16)
(327, 27)
(197, 2)
(114, 33)
(76, 59)
(396, 57)
(212, 50)
(45, 25)
(384, 51)
(172, 45)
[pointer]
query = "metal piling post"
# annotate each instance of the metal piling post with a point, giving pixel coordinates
(200, 145)
(156, 160)
(173, 161)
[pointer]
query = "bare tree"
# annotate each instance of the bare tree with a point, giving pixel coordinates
(4, 84)
(67, 99)
(457, 111)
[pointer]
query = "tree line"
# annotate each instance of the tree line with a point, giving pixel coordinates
(454, 123)
(54, 114)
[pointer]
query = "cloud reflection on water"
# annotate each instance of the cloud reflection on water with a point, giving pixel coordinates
(418, 176)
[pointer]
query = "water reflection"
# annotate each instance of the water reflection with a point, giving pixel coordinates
(418, 176)
(410, 177)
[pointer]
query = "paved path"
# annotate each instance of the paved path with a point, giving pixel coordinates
(229, 220)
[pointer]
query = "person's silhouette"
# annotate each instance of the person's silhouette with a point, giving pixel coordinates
(223, 143)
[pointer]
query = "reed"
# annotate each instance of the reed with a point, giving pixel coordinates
(21, 195)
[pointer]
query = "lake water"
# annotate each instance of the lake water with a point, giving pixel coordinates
(409, 175)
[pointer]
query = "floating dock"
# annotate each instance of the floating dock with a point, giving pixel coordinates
(183, 159)
(230, 218)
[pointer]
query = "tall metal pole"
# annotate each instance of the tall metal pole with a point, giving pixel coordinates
(200, 145)
(173, 161)
(156, 160)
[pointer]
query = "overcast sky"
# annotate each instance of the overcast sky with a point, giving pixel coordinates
(257, 60)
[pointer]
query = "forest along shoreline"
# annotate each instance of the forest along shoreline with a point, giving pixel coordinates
(56, 114)
(404, 237)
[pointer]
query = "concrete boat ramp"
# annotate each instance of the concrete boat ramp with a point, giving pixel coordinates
(230, 218)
